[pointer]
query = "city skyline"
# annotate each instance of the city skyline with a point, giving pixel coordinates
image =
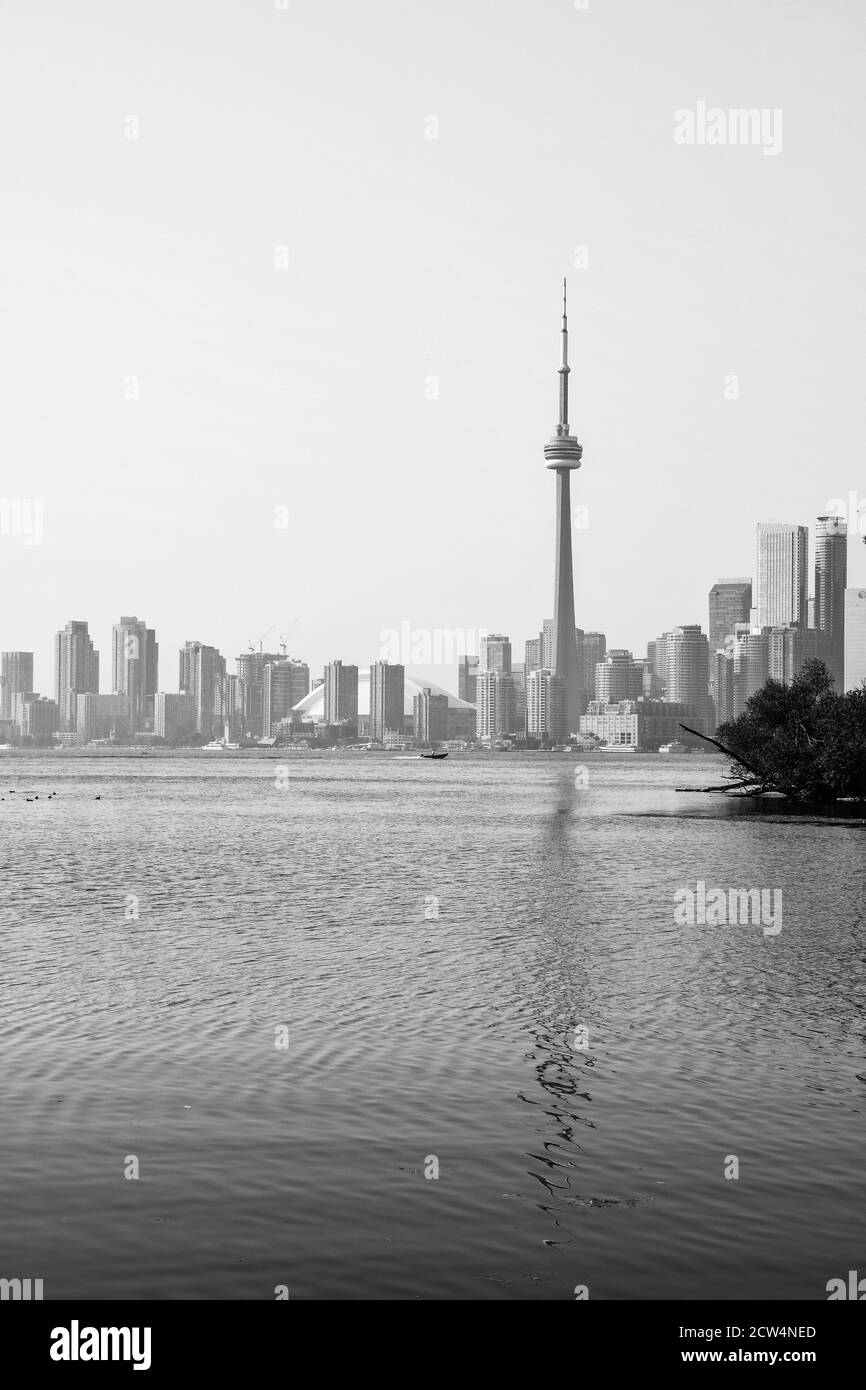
(120, 628)
(43, 651)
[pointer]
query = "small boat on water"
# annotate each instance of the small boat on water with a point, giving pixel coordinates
(433, 755)
(675, 747)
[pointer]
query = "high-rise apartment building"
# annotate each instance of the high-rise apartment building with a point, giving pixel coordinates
(548, 634)
(688, 672)
(789, 648)
(831, 576)
(730, 603)
(722, 681)
(657, 656)
(233, 708)
(387, 699)
(618, 677)
(467, 675)
(782, 575)
(250, 669)
(76, 671)
(200, 673)
(173, 716)
(40, 718)
(431, 717)
(134, 658)
(103, 716)
(591, 649)
(751, 657)
(16, 675)
(286, 682)
(518, 685)
(533, 654)
(19, 700)
(545, 698)
(496, 653)
(855, 638)
(494, 704)
(341, 694)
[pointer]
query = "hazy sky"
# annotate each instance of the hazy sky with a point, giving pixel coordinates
(151, 264)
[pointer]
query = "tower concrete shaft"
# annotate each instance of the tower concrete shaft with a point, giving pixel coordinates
(563, 454)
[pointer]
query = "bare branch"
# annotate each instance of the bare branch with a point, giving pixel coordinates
(722, 749)
(746, 782)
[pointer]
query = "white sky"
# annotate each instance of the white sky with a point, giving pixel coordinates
(305, 387)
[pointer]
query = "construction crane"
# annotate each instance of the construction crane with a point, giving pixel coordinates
(284, 640)
(252, 645)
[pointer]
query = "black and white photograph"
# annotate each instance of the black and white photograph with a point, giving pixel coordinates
(471, 384)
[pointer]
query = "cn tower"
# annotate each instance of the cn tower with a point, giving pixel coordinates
(563, 453)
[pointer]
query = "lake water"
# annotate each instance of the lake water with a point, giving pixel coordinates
(431, 935)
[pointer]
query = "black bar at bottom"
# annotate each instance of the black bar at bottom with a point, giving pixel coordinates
(219, 1339)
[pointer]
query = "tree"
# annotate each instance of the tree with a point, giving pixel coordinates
(801, 740)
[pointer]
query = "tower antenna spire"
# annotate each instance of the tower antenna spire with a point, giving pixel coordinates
(564, 369)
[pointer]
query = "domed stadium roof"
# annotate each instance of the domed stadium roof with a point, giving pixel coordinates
(312, 707)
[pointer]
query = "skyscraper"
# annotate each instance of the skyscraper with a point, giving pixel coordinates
(250, 669)
(687, 674)
(341, 694)
(591, 649)
(831, 575)
(467, 675)
(563, 454)
(233, 708)
(16, 676)
(285, 684)
(730, 603)
(544, 700)
(431, 717)
(200, 672)
(722, 681)
(496, 653)
(518, 682)
(387, 694)
(618, 677)
(654, 672)
(533, 654)
(782, 575)
(173, 715)
(547, 644)
(494, 704)
(855, 638)
(658, 658)
(789, 648)
(76, 671)
(134, 657)
(40, 718)
(751, 657)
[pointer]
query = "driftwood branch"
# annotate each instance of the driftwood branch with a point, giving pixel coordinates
(746, 782)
